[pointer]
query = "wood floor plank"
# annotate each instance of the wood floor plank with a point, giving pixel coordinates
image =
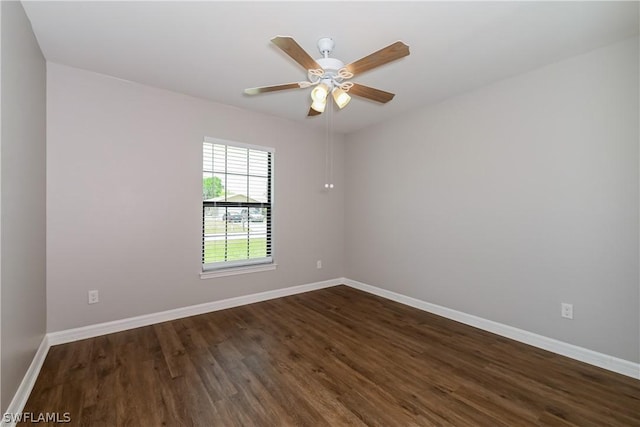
(213, 376)
(336, 356)
(173, 350)
(280, 385)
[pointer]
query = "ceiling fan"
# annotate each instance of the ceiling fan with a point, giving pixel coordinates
(329, 75)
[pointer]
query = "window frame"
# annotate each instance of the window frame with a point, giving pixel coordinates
(225, 268)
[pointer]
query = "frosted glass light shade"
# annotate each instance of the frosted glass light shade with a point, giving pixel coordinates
(341, 97)
(319, 106)
(320, 92)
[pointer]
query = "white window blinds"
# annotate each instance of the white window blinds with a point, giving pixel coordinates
(236, 204)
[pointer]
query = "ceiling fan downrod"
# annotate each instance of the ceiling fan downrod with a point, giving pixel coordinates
(325, 46)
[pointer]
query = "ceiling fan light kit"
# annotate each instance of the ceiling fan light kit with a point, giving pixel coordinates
(328, 75)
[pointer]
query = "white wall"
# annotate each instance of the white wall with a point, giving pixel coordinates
(22, 197)
(509, 200)
(124, 199)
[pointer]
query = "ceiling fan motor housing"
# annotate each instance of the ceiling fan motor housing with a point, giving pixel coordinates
(330, 65)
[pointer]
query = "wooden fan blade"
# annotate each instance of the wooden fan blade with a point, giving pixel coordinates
(263, 89)
(298, 54)
(371, 93)
(313, 112)
(390, 53)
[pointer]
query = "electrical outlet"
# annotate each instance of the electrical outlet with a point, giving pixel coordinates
(319, 264)
(93, 297)
(566, 310)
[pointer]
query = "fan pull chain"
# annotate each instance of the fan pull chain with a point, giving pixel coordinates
(326, 151)
(331, 108)
(329, 148)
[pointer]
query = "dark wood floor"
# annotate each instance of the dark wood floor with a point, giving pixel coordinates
(334, 357)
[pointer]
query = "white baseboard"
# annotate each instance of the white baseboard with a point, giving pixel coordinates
(28, 381)
(91, 331)
(582, 354)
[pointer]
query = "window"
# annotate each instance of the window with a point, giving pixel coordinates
(236, 204)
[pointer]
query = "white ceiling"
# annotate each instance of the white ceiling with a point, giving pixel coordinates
(214, 50)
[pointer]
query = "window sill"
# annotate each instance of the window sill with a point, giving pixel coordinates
(237, 270)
